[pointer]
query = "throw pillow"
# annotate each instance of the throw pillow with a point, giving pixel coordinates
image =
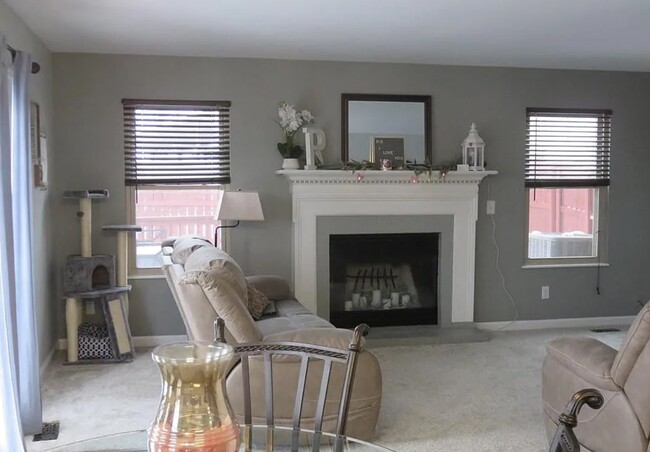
(269, 310)
(257, 301)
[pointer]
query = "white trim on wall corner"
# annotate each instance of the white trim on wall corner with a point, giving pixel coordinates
(585, 322)
(48, 359)
(140, 341)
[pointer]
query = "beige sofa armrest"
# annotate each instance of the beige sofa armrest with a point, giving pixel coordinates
(274, 287)
(587, 358)
(326, 337)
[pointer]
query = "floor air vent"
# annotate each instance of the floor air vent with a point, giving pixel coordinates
(50, 432)
(605, 330)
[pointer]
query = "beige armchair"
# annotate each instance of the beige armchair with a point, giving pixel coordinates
(623, 378)
(207, 283)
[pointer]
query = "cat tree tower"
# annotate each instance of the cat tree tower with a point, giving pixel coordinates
(91, 279)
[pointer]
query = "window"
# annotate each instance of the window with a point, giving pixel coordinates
(567, 173)
(177, 160)
(169, 212)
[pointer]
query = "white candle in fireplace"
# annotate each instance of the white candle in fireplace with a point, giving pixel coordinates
(376, 297)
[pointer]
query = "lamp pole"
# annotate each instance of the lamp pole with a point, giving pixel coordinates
(216, 231)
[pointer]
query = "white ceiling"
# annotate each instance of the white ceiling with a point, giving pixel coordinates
(572, 34)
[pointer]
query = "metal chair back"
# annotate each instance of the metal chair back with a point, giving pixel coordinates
(306, 353)
(565, 439)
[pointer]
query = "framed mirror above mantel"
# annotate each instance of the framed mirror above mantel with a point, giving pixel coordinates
(380, 127)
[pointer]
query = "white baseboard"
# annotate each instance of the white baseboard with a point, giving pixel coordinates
(140, 341)
(584, 322)
(154, 341)
(518, 325)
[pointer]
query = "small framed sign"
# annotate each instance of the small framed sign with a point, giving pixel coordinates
(389, 148)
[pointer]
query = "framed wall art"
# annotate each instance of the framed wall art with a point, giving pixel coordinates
(403, 122)
(34, 129)
(38, 147)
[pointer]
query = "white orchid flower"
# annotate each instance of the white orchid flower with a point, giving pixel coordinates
(291, 120)
(294, 125)
(287, 114)
(307, 116)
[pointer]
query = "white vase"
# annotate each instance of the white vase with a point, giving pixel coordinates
(290, 164)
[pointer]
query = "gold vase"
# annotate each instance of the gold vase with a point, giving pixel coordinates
(194, 414)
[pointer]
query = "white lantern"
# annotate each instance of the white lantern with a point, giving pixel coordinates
(473, 150)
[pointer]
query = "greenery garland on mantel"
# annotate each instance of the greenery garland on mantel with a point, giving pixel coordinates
(417, 168)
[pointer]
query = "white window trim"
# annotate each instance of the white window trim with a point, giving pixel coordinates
(583, 265)
(601, 225)
(136, 273)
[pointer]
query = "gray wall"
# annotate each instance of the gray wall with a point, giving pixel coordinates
(20, 37)
(88, 90)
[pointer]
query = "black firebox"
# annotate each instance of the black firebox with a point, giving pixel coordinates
(384, 279)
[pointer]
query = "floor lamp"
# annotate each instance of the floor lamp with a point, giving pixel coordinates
(238, 206)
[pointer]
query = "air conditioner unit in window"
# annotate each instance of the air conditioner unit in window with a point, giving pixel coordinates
(571, 244)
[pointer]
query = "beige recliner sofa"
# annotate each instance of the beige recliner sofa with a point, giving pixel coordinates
(206, 283)
(623, 377)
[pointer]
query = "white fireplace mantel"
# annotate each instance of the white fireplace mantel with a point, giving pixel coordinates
(382, 177)
(344, 193)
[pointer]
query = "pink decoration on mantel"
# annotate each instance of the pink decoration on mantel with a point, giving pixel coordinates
(414, 179)
(360, 177)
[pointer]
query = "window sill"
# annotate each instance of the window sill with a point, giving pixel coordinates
(585, 265)
(153, 276)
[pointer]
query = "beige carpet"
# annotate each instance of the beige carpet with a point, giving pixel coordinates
(452, 398)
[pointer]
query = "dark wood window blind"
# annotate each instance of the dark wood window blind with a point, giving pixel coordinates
(176, 142)
(567, 148)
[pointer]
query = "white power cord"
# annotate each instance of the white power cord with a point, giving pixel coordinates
(498, 265)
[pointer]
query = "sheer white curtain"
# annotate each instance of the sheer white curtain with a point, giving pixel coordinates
(11, 437)
(20, 396)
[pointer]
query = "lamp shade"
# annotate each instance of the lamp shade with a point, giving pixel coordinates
(240, 206)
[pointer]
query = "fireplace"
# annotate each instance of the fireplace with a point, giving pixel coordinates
(383, 279)
(397, 196)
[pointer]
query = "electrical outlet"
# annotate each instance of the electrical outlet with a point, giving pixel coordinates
(545, 293)
(491, 207)
(90, 307)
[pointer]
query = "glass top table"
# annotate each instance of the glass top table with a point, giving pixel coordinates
(267, 439)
